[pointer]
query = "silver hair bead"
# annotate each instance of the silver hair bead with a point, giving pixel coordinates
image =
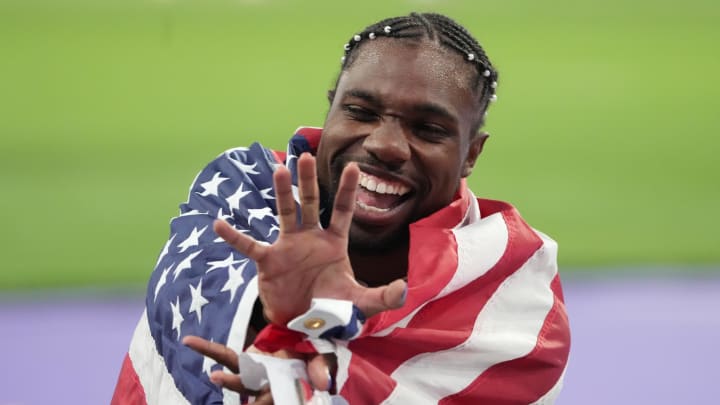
(371, 35)
(493, 85)
(486, 73)
(471, 56)
(357, 38)
(493, 98)
(387, 29)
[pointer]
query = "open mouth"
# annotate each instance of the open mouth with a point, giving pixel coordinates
(379, 195)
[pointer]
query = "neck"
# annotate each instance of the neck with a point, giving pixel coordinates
(376, 269)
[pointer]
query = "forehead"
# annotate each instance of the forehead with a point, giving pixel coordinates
(412, 71)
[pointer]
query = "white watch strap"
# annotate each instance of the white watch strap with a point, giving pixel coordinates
(324, 314)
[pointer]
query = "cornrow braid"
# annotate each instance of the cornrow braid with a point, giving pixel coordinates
(437, 28)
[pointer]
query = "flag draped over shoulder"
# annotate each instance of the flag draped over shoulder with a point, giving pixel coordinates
(200, 285)
(484, 320)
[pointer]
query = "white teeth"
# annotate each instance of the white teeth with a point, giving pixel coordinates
(379, 186)
(370, 207)
(371, 185)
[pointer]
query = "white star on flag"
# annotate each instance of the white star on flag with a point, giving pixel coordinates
(248, 169)
(296, 193)
(192, 240)
(235, 279)
(265, 193)
(234, 200)
(177, 316)
(198, 301)
(162, 281)
(259, 213)
(221, 216)
(211, 186)
(185, 264)
(227, 262)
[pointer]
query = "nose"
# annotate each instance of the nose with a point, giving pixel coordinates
(388, 143)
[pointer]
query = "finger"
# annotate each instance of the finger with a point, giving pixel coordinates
(372, 301)
(284, 199)
(218, 352)
(345, 200)
(308, 190)
(319, 372)
(241, 242)
(231, 382)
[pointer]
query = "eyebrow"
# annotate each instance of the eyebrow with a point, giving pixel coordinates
(424, 108)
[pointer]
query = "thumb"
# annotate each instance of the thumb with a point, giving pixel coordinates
(375, 300)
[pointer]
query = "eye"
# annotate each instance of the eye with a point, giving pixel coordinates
(430, 132)
(359, 113)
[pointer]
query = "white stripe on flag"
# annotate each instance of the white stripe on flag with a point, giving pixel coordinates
(238, 331)
(507, 328)
(480, 246)
(150, 368)
(344, 356)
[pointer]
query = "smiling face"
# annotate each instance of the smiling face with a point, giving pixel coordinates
(406, 112)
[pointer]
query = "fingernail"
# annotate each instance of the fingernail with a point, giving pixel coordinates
(403, 297)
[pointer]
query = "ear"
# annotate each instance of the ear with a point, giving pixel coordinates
(476, 146)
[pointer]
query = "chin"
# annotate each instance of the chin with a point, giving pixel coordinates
(377, 241)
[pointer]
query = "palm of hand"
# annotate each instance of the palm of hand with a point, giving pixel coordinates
(307, 261)
(302, 265)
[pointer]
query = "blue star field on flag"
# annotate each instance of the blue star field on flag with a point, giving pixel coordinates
(199, 280)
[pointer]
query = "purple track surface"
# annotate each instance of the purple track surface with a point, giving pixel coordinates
(636, 340)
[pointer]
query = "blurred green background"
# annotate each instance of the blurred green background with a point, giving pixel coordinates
(605, 135)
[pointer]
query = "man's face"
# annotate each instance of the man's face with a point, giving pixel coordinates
(404, 111)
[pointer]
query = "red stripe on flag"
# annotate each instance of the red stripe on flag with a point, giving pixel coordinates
(375, 358)
(279, 156)
(432, 257)
(448, 321)
(458, 311)
(365, 384)
(311, 135)
(527, 379)
(129, 390)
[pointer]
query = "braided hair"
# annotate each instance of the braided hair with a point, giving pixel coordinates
(440, 29)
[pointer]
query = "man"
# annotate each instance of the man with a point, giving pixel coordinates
(462, 297)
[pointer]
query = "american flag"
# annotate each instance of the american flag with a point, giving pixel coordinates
(484, 320)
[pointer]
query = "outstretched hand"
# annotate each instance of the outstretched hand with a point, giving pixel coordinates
(307, 261)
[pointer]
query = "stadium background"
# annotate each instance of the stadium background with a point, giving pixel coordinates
(604, 135)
